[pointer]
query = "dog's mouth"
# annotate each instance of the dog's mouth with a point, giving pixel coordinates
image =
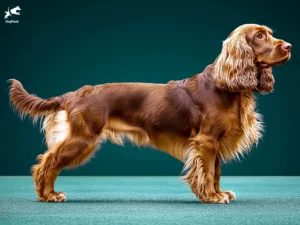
(263, 64)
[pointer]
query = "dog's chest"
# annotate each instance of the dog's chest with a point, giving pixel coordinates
(244, 128)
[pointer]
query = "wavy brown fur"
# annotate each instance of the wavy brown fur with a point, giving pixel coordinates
(200, 120)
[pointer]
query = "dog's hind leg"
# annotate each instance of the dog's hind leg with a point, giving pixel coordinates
(71, 141)
(71, 152)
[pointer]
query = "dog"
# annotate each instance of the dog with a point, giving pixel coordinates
(202, 120)
(13, 11)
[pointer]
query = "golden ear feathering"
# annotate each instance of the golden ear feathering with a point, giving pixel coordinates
(266, 81)
(235, 69)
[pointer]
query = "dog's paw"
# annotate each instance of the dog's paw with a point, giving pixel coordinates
(215, 198)
(231, 195)
(56, 197)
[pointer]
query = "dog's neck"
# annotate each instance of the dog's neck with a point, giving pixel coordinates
(203, 84)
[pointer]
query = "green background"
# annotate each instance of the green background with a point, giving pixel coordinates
(60, 46)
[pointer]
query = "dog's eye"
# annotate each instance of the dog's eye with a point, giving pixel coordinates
(259, 35)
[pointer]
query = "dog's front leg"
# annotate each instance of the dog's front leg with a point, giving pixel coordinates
(200, 167)
(231, 194)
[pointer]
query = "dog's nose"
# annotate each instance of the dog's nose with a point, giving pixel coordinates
(287, 47)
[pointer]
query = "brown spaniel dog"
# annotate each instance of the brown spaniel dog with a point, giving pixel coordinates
(201, 120)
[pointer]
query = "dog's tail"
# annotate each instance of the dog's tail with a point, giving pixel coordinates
(27, 104)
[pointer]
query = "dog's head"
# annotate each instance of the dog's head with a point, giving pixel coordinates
(247, 57)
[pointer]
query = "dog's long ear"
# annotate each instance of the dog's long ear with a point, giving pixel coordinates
(234, 69)
(265, 81)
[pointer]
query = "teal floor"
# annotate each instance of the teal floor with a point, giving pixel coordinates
(150, 200)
